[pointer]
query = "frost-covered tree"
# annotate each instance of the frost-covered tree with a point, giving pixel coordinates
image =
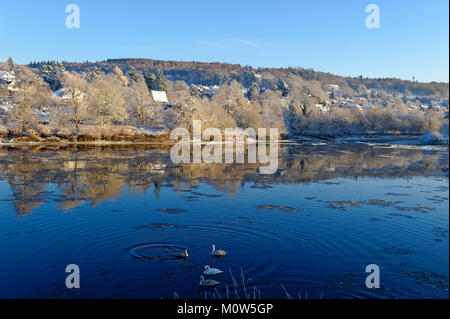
(253, 92)
(141, 108)
(75, 88)
(272, 110)
(119, 74)
(31, 95)
(106, 102)
(231, 98)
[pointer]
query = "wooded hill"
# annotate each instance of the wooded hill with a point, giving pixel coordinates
(215, 73)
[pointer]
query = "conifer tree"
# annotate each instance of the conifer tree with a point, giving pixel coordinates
(149, 80)
(160, 81)
(10, 64)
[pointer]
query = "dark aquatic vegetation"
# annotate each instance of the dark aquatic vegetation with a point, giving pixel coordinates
(398, 251)
(426, 277)
(285, 208)
(343, 204)
(158, 226)
(423, 209)
(172, 210)
(121, 213)
(348, 282)
(440, 233)
(380, 202)
(400, 215)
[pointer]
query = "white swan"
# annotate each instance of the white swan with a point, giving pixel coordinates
(218, 253)
(212, 271)
(208, 282)
(181, 254)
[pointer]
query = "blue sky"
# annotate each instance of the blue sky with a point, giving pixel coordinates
(330, 36)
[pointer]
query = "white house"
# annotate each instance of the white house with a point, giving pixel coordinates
(159, 96)
(333, 87)
(352, 105)
(321, 108)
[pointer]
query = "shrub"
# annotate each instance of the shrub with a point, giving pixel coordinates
(3, 131)
(44, 130)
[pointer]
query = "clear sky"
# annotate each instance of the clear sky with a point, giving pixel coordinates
(330, 36)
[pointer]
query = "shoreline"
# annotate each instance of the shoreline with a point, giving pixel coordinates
(166, 141)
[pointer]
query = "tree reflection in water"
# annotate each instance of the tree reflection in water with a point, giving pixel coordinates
(96, 173)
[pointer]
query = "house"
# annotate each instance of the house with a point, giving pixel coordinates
(333, 87)
(352, 105)
(321, 108)
(159, 96)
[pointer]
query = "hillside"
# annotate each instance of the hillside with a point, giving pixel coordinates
(209, 74)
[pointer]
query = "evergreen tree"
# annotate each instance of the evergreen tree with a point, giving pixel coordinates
(254, 91)
(10, 64)
(133, 74)
(47, 70)
(283, 87)
(149, 80)
(160, 81)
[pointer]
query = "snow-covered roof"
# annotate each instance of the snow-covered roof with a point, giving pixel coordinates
(352, 105)
(159, 96)
(333, 86)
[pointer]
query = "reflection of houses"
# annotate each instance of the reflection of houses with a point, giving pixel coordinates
(157, 168)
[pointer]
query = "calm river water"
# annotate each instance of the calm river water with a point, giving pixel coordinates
(308, 230)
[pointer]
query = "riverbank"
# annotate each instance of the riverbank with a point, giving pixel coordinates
(130, 135)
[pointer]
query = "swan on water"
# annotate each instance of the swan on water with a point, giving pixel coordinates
(218, 253)
(212, 271)
(181, 254)
(208, 282)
